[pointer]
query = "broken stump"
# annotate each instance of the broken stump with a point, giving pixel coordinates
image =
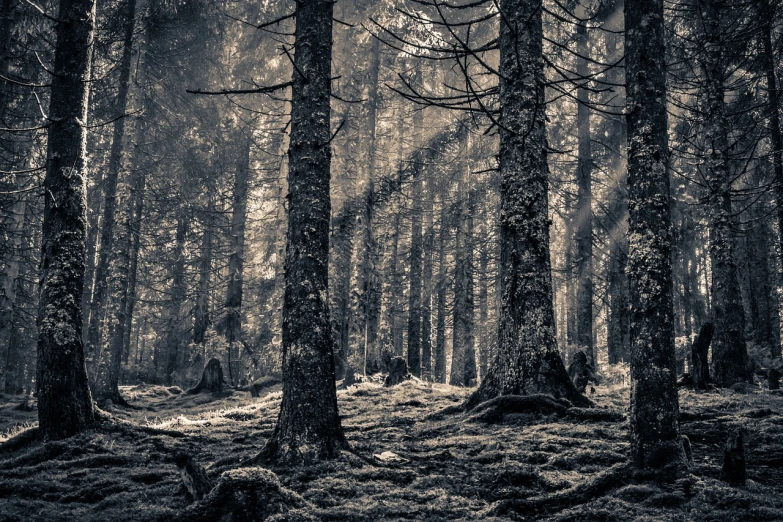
(211, 379)
(733, 471)
(195, 479)
(398, 372)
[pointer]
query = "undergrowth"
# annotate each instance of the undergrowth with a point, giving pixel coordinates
(526, 464)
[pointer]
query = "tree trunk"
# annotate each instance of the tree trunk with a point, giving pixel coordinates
(767, 9)
(201, 319)
(371, 292)
(463, 360)
(483, 296)
(415, 278)
(700, 366)
(440, 328)
(308, 427)
(237, 257)
(426, 276)
(173, 339)
(9, 282)
(729, 352)
(341, 291)
(98, 304)
(527, 360)
(64, 401)
(584, 213)
(211, 378)
(654, 418)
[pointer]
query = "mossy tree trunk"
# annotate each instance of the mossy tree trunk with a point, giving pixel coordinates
(729, 350)
(654, 424)
(527, 359)
(308, 427)
(767, 11)
(64, 401)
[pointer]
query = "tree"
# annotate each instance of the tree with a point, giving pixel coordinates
(64, 402)
(527, 359)
(236, 259)
(729, 351)
(654, 418)
(308, 427)
(584, 212)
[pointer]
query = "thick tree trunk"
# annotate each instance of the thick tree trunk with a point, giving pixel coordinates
(767, 9)
(584, 213)
(729, 351)
(527, 361)
(308, 427)
(654, 418)
(98, 304)
(64, 401)
(237, 257)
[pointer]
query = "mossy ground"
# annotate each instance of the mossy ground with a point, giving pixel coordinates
(451, 467)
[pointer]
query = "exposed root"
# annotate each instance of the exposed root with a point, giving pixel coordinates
(614, 477)
(19, 441)
(495, 410)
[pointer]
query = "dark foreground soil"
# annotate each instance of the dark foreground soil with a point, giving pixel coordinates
(535, 464)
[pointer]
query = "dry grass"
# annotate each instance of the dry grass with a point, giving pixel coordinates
(451, 467)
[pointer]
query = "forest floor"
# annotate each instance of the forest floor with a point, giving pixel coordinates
(442, 466)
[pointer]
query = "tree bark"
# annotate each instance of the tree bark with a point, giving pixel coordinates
(463, 360)
(440, 327)
(201, 319)
(415, 277)
(173, 342)
(64, 401)
(426, 276)
(654, 418)
(308, 427)
(729, 351)
(767, 10)
(237, 257)
(527, 360)
(370, 285)
(584, 213)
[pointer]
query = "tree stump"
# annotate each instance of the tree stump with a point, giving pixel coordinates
(247, 495)
(194, 477)
(734, 460)
(773, 378)
(211, 379)
(700, 370)
(398, 372)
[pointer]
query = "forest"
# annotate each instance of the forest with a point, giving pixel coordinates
(378, 260)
